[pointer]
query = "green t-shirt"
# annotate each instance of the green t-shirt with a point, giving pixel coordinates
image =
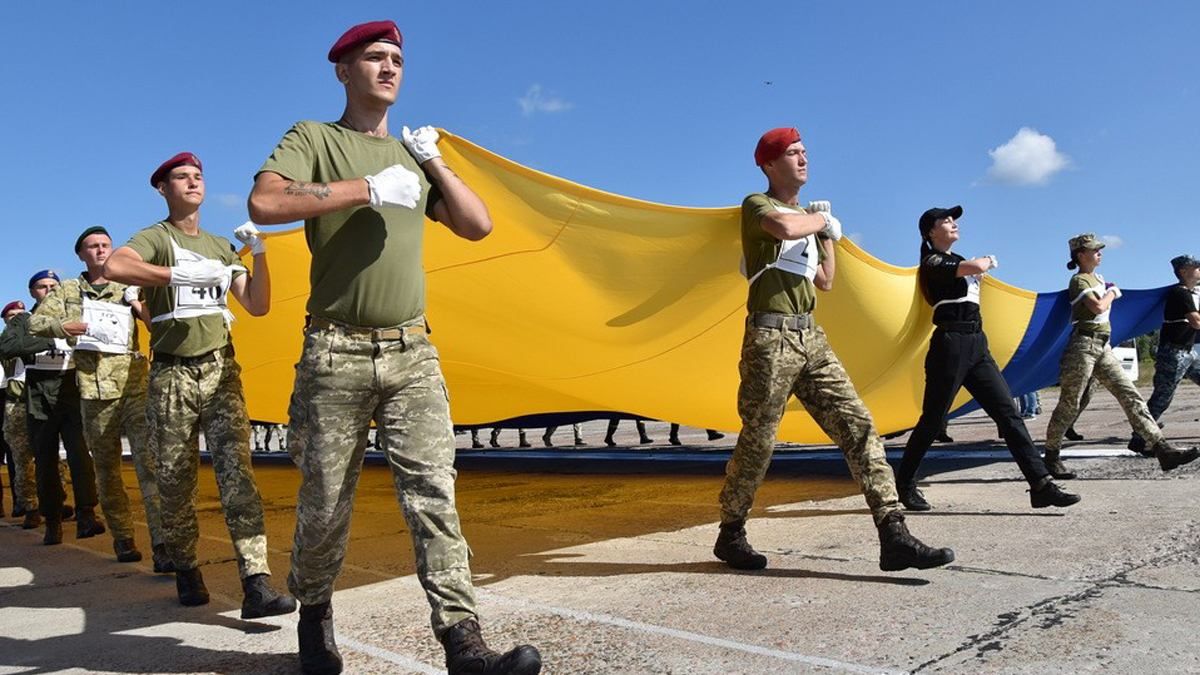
(774, 290)
(1087, 284)
(190, 335)
(366, 261)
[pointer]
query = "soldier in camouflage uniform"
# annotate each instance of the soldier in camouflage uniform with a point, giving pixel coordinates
(367, 355)
(195, 382)
(1088, 353)
(789, 253)
(98, 318)
(16, 434)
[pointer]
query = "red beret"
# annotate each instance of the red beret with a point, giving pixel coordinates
(372, 31)
(773, 144)
(15, 304)
(160, 174)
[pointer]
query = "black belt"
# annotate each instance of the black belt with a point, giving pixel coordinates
(173, 360)
(773, 320)
(961, 326)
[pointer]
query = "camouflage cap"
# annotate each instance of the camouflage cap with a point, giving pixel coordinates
(1181, 261)
(1085, 240)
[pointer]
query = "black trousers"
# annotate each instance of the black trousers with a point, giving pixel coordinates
(64, 421)
(8, 459)
(961, 359)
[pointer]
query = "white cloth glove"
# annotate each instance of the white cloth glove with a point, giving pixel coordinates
(104, 332)
(1115, 291)
(132, 293)
(248, 234)
(995, 263)
(819, 207)
(201, 274)
(395, 186)
(833, 226)
(422, 143)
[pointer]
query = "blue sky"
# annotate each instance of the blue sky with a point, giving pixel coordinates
(902, 105)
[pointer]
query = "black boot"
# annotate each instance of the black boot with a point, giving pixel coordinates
(547, 440)
(126, 550)
(33, 518)
(674, 440)
(1049, 494)
(1170, 457)
(899, 550)
(262, 600)
(162, 561)
(1138, 445)
(189, 585)
(1055, 466)
(318, 650)
(714, 435)
(53, 532)
(733, 548)
(87, 524)
(468, 654)
(68, 512)
(494, 441)
(1071, 435)
(912, 498)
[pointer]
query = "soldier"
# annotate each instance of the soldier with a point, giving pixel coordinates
(97, 317)
(16, 435)
(363, 195)
(52, 400)
(195, 382)
(1088, 353)
(789, 253)
(959, 356)
(1175, 359)
(613, 422)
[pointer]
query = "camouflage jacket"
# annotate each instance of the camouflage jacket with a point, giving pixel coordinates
(101, 376)
(14, 390)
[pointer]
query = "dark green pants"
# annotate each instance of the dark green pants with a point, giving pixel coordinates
(64, 422)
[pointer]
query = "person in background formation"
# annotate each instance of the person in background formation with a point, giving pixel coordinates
(16, 435)
(643, 437)
(673, 436)
(548, 437)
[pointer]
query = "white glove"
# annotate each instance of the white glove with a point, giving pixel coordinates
(422, 143)
(104, 332)
(132, 293)
(833, 226)
(201, 274)
(995, 263)
(395, 186)
(247, 233)
(1115, 291)
(819, 207)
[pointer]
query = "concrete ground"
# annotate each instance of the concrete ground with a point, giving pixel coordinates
(606, 566)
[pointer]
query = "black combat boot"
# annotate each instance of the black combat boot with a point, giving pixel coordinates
(1170, 457)
(547, 440)
(912, 498)
(1071, 435)
(1055, 466)
(68, 512)
(899, 550)
(467, 654)
(53, 532)
(87, 524)
(494, 441)
(162, 561)
(318, 650)
(33, 519)
(189, 584)
(262, 600)
(733, 548)
(1049, 494)
(714, 435)
(126, 550)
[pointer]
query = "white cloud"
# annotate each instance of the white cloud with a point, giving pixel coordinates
(534, 101)
(1028, 158)
(231, 201)
(1112, 241)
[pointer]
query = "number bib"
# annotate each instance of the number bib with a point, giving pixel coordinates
(118, 318)
(57, 358)
(192, 302)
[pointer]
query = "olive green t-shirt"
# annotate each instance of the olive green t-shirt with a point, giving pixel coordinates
(191, 336)
(774, 290)
(366, 262)
(1092, 284)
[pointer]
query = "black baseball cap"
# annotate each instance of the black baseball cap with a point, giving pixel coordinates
(1181, 261)
(925, 224)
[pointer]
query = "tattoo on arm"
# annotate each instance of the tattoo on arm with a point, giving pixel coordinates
(318, 190)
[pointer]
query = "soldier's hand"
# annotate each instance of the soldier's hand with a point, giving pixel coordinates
(200, 274)
(833, 226)
(132, 294)
(75, 328)
(422, 143)
(394, 186)
(993, 263)
(1112, 288)
(248, 234)
(819, 207)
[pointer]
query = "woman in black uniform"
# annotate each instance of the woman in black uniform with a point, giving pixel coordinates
(958, 356)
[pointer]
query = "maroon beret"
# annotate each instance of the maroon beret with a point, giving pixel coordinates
(372, 31)
(160, 174)
(774, 143)
(15, 304)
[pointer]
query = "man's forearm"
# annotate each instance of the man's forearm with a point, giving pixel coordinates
(276, 200)
(467, 213)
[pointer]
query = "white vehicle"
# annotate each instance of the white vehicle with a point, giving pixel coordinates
(1127, 354)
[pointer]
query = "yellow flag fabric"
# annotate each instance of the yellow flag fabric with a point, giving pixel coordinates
(582, 300)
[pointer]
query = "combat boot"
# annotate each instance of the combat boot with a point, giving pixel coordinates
(733, 548)
(87, 524)
(18, 511)
(33, 518)
(1055, 466)
(318, 650)
(468, 654)
(1138, 444)
(262, 600)
(189, 585)
(912, 498)
(1049, 494)
(53, 532)
(126, 550)
(68, 512)
(1170, 457)
(547, 440)
(162, 561)
(1071, 435)
(899, 550)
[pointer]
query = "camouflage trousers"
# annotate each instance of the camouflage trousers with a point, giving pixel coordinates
(185, 397)
(344, 381)
(778, 363)
(1086, 356)
(1171, 366)
(16, 433)
(103, 424)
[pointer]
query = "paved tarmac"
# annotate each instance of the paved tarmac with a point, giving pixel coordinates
(606, 566)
